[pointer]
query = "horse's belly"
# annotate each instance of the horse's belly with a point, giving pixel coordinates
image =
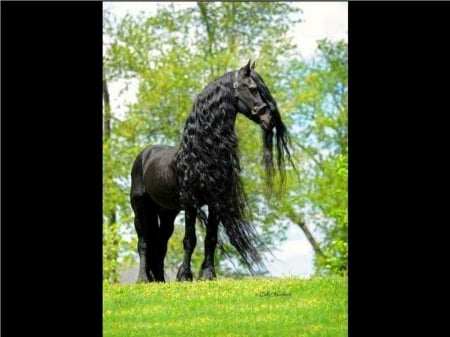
(159, 177)
(164, 194)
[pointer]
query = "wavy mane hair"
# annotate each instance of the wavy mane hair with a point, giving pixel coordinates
(281, 136)
(208, 167)
(205, 170)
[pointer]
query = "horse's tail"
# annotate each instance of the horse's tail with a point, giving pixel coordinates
(202, 217)
(244, 237)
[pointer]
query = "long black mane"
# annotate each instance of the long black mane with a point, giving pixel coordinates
(205, 170)
(281, 136)
(208, 169)
(207, 162)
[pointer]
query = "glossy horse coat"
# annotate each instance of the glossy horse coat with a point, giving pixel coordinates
(204, 170)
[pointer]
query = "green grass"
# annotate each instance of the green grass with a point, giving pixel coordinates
(249, 307)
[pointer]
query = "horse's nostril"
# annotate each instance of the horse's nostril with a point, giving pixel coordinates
(258, 108)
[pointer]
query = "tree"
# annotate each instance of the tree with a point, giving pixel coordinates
(322, 142)
(110, 233)
(171, 66)
(162, 55)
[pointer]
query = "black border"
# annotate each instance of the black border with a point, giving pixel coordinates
(398, 75)
(51, 168)
(51, 164)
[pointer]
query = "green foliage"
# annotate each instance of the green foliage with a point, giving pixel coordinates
(110, 252)
(163, 57)
(321, 140)
(250, 307)
(172, 56)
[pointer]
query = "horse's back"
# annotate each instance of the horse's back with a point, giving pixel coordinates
(153, 173)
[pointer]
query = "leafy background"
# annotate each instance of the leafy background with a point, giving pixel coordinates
(169, 56)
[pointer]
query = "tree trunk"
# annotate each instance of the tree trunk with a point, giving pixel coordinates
(111, 217)
(233, 32)
(107, 112)
(203, 7)
(315, 245)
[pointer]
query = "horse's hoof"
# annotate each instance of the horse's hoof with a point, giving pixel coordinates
(144, 278)
(184, 277)
(141, 280)
(207, 274)
(184, 274)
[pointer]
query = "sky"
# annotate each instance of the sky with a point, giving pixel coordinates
(319, 20)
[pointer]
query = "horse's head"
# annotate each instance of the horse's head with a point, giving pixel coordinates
(256, 102)
(249, 97)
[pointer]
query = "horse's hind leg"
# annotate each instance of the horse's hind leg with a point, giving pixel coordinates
(146, 225)
(166, 225)
(189, 242)
(207, 271)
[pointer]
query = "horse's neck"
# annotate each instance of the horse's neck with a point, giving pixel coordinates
(209, 136)
(207, 157)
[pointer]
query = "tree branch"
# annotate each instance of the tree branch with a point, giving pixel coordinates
(107, 113)
(204, 15)
(315, 245)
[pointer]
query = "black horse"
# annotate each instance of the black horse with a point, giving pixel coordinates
(204, 170)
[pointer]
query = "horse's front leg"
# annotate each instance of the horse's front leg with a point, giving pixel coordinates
(207, 271)
(189, 242)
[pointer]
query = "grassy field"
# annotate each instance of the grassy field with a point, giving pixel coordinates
(250, 307)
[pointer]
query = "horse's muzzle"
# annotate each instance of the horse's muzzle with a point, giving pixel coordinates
(266, 121)
(256, 109)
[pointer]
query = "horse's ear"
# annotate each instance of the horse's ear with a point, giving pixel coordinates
(253, 65)
(247, 69)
